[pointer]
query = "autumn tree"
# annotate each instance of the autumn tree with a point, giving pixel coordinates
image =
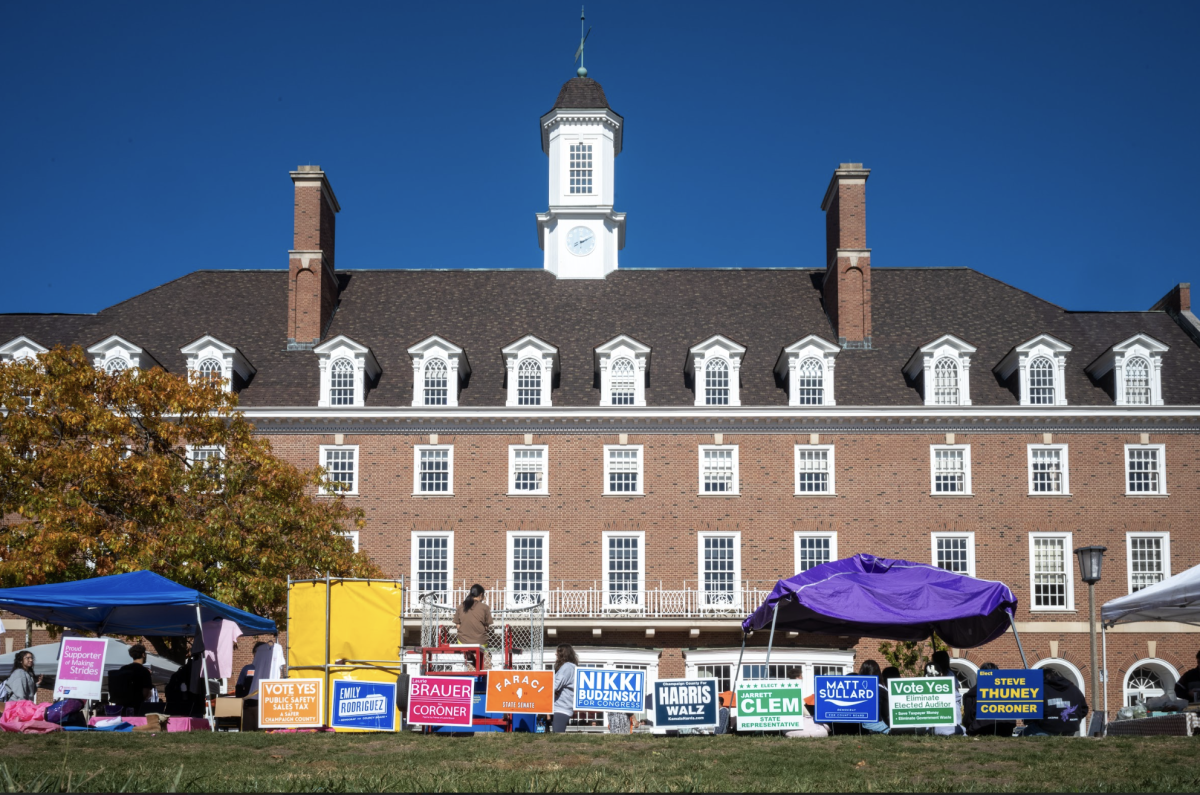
(911, 656)
(144, 470)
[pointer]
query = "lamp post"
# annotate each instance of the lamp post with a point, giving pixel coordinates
(1090, 560)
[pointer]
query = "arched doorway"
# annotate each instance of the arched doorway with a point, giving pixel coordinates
(1149, 678)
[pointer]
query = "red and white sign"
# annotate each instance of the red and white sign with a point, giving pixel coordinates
(80, 668)
(441, 700)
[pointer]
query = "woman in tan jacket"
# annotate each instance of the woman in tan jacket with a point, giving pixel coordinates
(473, 617)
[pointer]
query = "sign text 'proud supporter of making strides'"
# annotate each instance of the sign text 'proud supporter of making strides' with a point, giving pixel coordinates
(919, 703)
(685, 703)
(600, 689)
(1009, 694)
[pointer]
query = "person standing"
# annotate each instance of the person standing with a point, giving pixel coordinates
(473, 617)
(21, 683)
(136, 682)
(565, 663)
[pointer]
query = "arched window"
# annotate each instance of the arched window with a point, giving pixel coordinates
(1041, 382)
(1137, 382)
(529, 383)
(436, 383)
(810, 387)
(209, 370)
(716, 383)
(1143, 681)
(945, 382)
(115, 366)
(622, 381)
(341, 383)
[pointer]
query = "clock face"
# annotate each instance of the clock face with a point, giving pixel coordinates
(581, 241)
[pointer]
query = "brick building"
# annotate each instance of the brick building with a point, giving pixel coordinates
(649, 450)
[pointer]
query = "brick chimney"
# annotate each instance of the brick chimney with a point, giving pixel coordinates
(847, 286)
(312, 283)
(1178, 304)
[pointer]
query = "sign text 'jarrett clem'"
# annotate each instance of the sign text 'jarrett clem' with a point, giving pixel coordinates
(622, 691)
(770, 706)
(441, 700)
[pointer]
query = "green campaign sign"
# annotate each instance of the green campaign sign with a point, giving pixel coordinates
(918, 703)
(765, 706)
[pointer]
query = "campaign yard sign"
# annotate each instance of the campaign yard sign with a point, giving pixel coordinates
(610, 691)
(847, 699)
(685, 703)
(520, 692)
(291, 704)
(363, 705)
(770, 705)
(918, 703)
(441, 700)
(80, 668)
(1009, 694)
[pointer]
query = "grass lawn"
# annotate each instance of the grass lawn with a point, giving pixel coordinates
(536, 763)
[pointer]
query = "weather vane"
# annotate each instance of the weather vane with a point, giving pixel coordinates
(581, 71)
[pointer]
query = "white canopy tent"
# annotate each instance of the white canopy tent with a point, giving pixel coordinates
(1174, 599)
(45, 662)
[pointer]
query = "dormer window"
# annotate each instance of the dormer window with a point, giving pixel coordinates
(716, 370)
(210, 359)
(439, 367)
(347, 367)
(807, 366)
(530, 364)
(942, 369)
(622, 363)
(20, 349)
(115, 355)
(1136, 367)
(1040, 365)
(116, 365)
(581, 168)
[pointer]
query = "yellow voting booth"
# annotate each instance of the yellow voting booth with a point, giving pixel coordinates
(343, 629)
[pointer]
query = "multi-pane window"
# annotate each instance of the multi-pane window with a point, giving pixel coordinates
(433, 470)
(810, 386)
(718, 470)
(954, 552)
(341, 469)
(624, 571)
(1051, 585)
(432, 564)
(528, 470)
(207, 458)
(115, 366)
(528, 569)
(341, 383)
(581, 168)
(1041, 382)
(623, 469)
(814, 469)
(716, 383)
(951, 469)
(210, 370)
(437, 383)
(1144, 683)
(828, 670)
(529, 383)
(1148, 559)
(1137, 382)
(1144, 470)
(763, 671)
(722, 673)
(945, 382)
(1047, 469)
(622, 382)
(719, 570)
(814, 549)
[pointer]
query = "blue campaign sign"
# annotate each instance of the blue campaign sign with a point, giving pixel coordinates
(363, 705)
(1009, 694)
(847, 699)
(685, 703)
(601, 689)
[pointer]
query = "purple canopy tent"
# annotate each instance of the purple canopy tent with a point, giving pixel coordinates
(887, 599)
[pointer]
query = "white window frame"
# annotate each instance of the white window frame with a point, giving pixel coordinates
(593, 153)
(365, 367)
(922, 365)
(353, 491)
(828, 535)
(190, 453)
(640, 601)
(230, 358)
(622, 347)
(530, 347)
(828, 448)
(737, 479)
(1115, 358)
(417, 449)
(701, 588)
(1068, 570)
(641, 471)
(20, 349)
(116, 348)
(510, 592)
(513, 491)
(352, 537)
(1020, 357)
(717, 347)
(414, 562)
(966, 448)
(788, 366)
(1162, 470)
(1064, 460)
(457, 368)
(970, 538)
(1164, 537)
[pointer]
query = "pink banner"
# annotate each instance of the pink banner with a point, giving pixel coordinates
(441, 700)
(80, 668)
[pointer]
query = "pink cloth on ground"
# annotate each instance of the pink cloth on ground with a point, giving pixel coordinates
(219, 636)
(175, 723)
(27, 717)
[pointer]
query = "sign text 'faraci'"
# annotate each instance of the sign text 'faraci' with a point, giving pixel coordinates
(1009, 694)
(619, 691)
(770, 705)
(917, 703)
(685, 703)
(441, 700)
(363, 705)
(846, 699)
(80, 668)
(520, 692)
(291, 703)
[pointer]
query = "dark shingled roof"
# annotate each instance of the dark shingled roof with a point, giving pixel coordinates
(581, 92)
(669, 310)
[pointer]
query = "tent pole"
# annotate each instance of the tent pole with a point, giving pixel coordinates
(771, 640)
(1104, 670)
(738, 670)
(1017, 635)
(208, 713)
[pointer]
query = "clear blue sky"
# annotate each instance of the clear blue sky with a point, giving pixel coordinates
(1050, 145)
